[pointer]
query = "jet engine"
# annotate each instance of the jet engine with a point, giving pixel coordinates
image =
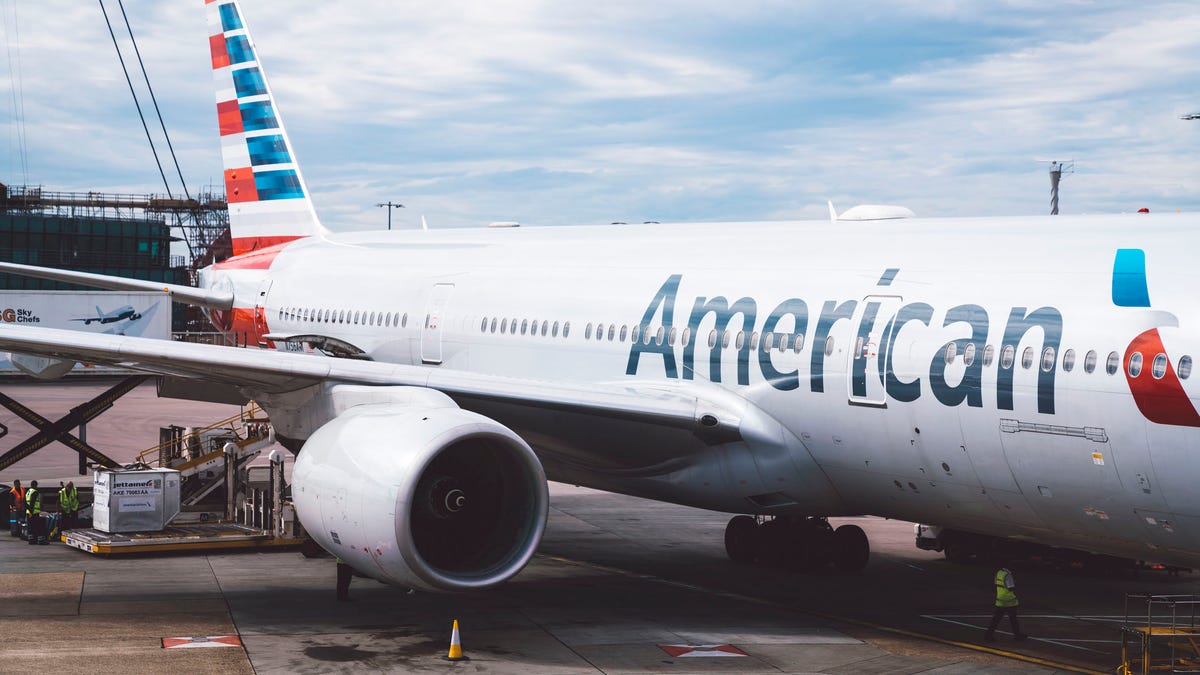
(433, 498)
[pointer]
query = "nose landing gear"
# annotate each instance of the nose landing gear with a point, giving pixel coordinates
(799, 544)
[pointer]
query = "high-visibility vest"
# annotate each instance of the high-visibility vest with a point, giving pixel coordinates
(1005, 597)
(33, 502)
(68, 500)
(18, 497)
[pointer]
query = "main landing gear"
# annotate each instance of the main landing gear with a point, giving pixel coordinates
(800, 544)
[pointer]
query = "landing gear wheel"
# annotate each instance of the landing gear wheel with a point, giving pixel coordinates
(851, 550)
(740, 536)
(772, 542)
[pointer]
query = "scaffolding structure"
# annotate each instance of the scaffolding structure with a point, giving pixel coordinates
(203, 221)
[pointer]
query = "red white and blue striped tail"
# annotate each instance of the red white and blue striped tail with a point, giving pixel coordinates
(269, 203)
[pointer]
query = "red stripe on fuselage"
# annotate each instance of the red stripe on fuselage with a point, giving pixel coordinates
(255, 247)
(1162, 400)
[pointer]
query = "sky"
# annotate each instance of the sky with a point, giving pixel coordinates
(558, 113)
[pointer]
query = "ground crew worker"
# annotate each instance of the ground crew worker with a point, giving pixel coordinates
(68, 506)
(1006, 603)
(33, 514)
(344, 574)
(16, 509)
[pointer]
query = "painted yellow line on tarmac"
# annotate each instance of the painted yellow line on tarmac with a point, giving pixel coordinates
(834, 617)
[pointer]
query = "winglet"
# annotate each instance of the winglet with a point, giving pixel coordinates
(832, 211)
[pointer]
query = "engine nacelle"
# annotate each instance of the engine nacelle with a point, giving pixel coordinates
(431, 498)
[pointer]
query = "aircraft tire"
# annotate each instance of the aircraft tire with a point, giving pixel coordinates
(740, 539)
(772, 542)
(851, 549)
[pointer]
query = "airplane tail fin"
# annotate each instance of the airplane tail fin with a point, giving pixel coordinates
(269, 202)
(99, 312)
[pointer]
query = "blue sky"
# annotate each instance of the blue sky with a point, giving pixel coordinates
(565, 112)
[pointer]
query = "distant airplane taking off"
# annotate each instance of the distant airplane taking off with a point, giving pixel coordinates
(119, 314)
(1025, 378)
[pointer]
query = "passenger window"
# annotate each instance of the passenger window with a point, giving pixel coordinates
(989, 354)
(612, 331)
(635, 333)
(671, 336)
(1048, 359)
(754, 340)
(783, 342)
(483, 326)
(554, 330)
(587, 331)
(686, 339)
(1068, 361)
(798, 343)
(660, 335)
(768, 341)
(503, 326)
(566, 328)
(829, 346)
(342, 316)
(1027, 358)
(356, 316)
(1185, 367)
(599, 331)
(624, 331)
(1006, 356)
(371, 321)
(724, 339)
(1113, 364)
(493, 324)
(524, 326)
(404, 320)
(739, 340)
(1089, 361)
(969, 354)
(950, 353)
(545, 327)
(1135, 364)
(1159, 367)
(533, 327)
(712, 338)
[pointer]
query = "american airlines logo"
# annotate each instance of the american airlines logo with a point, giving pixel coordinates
(955, 373)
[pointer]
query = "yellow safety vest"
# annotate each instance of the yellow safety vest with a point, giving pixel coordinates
(33, 502)
(1005, 597)
(68, 500)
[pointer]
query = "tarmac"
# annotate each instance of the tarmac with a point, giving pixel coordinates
(620, 585)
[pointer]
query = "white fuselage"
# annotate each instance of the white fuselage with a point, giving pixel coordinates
(899, 423)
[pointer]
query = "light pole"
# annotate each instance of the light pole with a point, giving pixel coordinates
(390, 206)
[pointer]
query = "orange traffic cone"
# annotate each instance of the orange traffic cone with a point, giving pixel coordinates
(456, 653)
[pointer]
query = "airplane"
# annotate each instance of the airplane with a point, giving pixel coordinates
(119, 314)
(1025, 378)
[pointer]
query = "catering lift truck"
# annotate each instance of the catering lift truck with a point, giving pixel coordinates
(195, 490)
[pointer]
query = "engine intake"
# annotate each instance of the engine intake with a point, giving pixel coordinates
(432, 498)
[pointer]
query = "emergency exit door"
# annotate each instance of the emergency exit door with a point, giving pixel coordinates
(431, 331)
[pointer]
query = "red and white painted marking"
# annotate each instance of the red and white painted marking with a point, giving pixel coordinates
(202, 641)
(685, 651)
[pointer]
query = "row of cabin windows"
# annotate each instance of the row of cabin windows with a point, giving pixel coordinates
(779, 341)
(526, 327)
(1158, 365)
(356, 317)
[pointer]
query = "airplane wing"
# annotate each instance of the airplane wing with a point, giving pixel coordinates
(214, 299)
(268, 371)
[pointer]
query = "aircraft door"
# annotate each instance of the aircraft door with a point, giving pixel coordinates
(431, 331)
(868, 353)
(260, 312)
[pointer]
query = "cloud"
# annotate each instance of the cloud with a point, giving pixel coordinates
(557, 113)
